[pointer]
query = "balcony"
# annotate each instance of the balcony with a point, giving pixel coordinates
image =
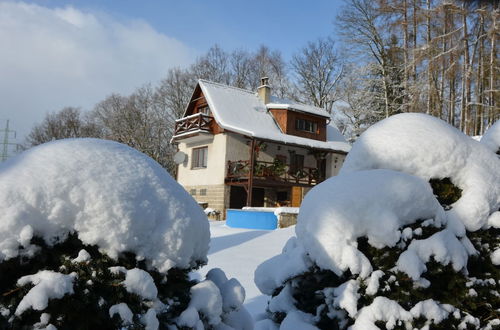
(192, 125)
(273, 173)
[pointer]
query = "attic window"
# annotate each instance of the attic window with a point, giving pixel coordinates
(204, 110)
(306, 125)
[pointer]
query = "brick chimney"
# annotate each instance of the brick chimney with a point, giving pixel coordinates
(264, 90)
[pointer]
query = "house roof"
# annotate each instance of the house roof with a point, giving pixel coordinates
(243, 112)
(278, 103)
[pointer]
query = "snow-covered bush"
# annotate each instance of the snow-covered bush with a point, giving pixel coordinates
(96, 235)
(491, 138)
(406, 237)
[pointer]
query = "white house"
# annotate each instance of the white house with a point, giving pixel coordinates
(243, 148)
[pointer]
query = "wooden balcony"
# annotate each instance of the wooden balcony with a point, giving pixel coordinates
(196, 123)
(273, 173)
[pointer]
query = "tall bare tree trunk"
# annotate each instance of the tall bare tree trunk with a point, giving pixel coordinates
(429, 64)
(493, 111)
(474, 127)
(405, 53)
(466, 71)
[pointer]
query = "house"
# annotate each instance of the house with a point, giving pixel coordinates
(243, 148)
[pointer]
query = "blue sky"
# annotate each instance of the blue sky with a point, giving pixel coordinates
(59, 53)
(282, 25)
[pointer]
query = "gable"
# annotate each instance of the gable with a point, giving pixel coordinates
(287, 121)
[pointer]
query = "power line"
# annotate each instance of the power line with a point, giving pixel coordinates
(5, 144)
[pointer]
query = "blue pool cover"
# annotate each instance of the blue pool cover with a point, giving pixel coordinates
(251, 219)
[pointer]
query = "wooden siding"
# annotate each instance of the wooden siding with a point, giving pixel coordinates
(198, 101)
(286, 120)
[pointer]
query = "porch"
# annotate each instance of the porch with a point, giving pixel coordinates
(274, 173)
(198, 122)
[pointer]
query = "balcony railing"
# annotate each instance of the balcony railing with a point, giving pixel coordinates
(273, 171)
(196, 122)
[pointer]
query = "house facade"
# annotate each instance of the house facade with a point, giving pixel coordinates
(242, 148)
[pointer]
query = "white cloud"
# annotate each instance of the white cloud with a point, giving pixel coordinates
(51, 58)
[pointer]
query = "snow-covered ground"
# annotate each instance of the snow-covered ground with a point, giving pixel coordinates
(239, 251)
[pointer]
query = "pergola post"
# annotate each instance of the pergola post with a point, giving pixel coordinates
(250, 175)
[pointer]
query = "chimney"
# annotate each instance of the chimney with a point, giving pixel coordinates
(264, 90)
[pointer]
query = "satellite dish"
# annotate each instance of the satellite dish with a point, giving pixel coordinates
(179, 157)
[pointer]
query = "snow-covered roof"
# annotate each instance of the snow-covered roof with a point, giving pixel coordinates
(278, 103)
(243, 112)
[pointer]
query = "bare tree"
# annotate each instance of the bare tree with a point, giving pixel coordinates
(318, 70)
(138, 121)
(267, 63)
(241, 67)
(69, 122)
(363, 25)
(214, 66)
(354, 111)
(174, 92)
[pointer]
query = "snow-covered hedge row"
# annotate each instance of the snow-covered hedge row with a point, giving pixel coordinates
(375, 248)
(96, 235)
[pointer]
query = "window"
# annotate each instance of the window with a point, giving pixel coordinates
(192, 192)
(204, 110)
(203, 192)
(306, 125)
(281, 158)
(199, 159)
(296, 163)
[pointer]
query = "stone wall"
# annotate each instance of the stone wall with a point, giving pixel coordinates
(216, 196)
(287, 219)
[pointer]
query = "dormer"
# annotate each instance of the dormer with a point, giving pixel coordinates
(295, 118)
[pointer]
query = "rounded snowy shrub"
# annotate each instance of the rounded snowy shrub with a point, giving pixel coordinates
(406, 237)
(491, 138)
(96, 235)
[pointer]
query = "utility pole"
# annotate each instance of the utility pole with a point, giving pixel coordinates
(5, 144)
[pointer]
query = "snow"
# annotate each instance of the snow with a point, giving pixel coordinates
(141, 283)
(283, 302)
(431, 310)
(252, 117)
(495, 257)
(428, 147)
(276, 210)
(443, 246)
(346, 297)
(297, 320)
(281, 103)
(381, 309)
(83, 256)
(494, 220)
(273, 272)
(333, 133)
(238, 252)
(123, 311)
(47, 285)
(150, 321)
(373, 203)
(109, 194)
(206, 298)
(491, 138)
(373, 282)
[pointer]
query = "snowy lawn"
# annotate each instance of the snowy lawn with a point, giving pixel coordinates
(239, 251)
